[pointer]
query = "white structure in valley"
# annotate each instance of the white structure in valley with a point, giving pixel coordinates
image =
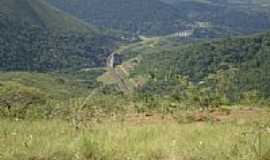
(185, 34)
(110, 61)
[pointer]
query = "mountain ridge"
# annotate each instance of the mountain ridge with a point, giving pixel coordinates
(161, 17)
(35, 36)
(42, 14)
(141, 16)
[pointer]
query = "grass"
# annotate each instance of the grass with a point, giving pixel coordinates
(235, 139)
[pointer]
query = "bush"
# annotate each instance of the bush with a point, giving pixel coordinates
(19, 101)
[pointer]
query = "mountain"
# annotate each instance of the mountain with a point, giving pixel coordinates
(39, 13)
(38, 37)
(140, 16)
(210, 18)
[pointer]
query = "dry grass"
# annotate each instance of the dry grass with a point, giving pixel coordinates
(235, 139)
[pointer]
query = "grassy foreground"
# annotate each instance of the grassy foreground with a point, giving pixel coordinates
(246, 138)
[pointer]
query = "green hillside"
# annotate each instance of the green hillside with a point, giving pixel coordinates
(239, 64)
(31, 94)
(36, 36)
(39, 13)
(55, 86)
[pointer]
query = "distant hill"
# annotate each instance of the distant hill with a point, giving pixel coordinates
(137, 16)
(160, 17)
(236, 15)
(36, 36)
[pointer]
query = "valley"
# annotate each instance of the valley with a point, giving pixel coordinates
(134, 80)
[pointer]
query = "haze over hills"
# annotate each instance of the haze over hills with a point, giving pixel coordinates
(154, 17)
(240, 16)
(36, 36)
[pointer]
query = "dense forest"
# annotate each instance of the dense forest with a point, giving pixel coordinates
(240, 65)
(32, 48)
(140, 16)
(154, 17)
(31, 41)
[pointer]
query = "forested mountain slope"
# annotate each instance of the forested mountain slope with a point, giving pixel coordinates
(241, 64)
(36, 36)
(39, 13)
(209, 18)
(140, 16)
